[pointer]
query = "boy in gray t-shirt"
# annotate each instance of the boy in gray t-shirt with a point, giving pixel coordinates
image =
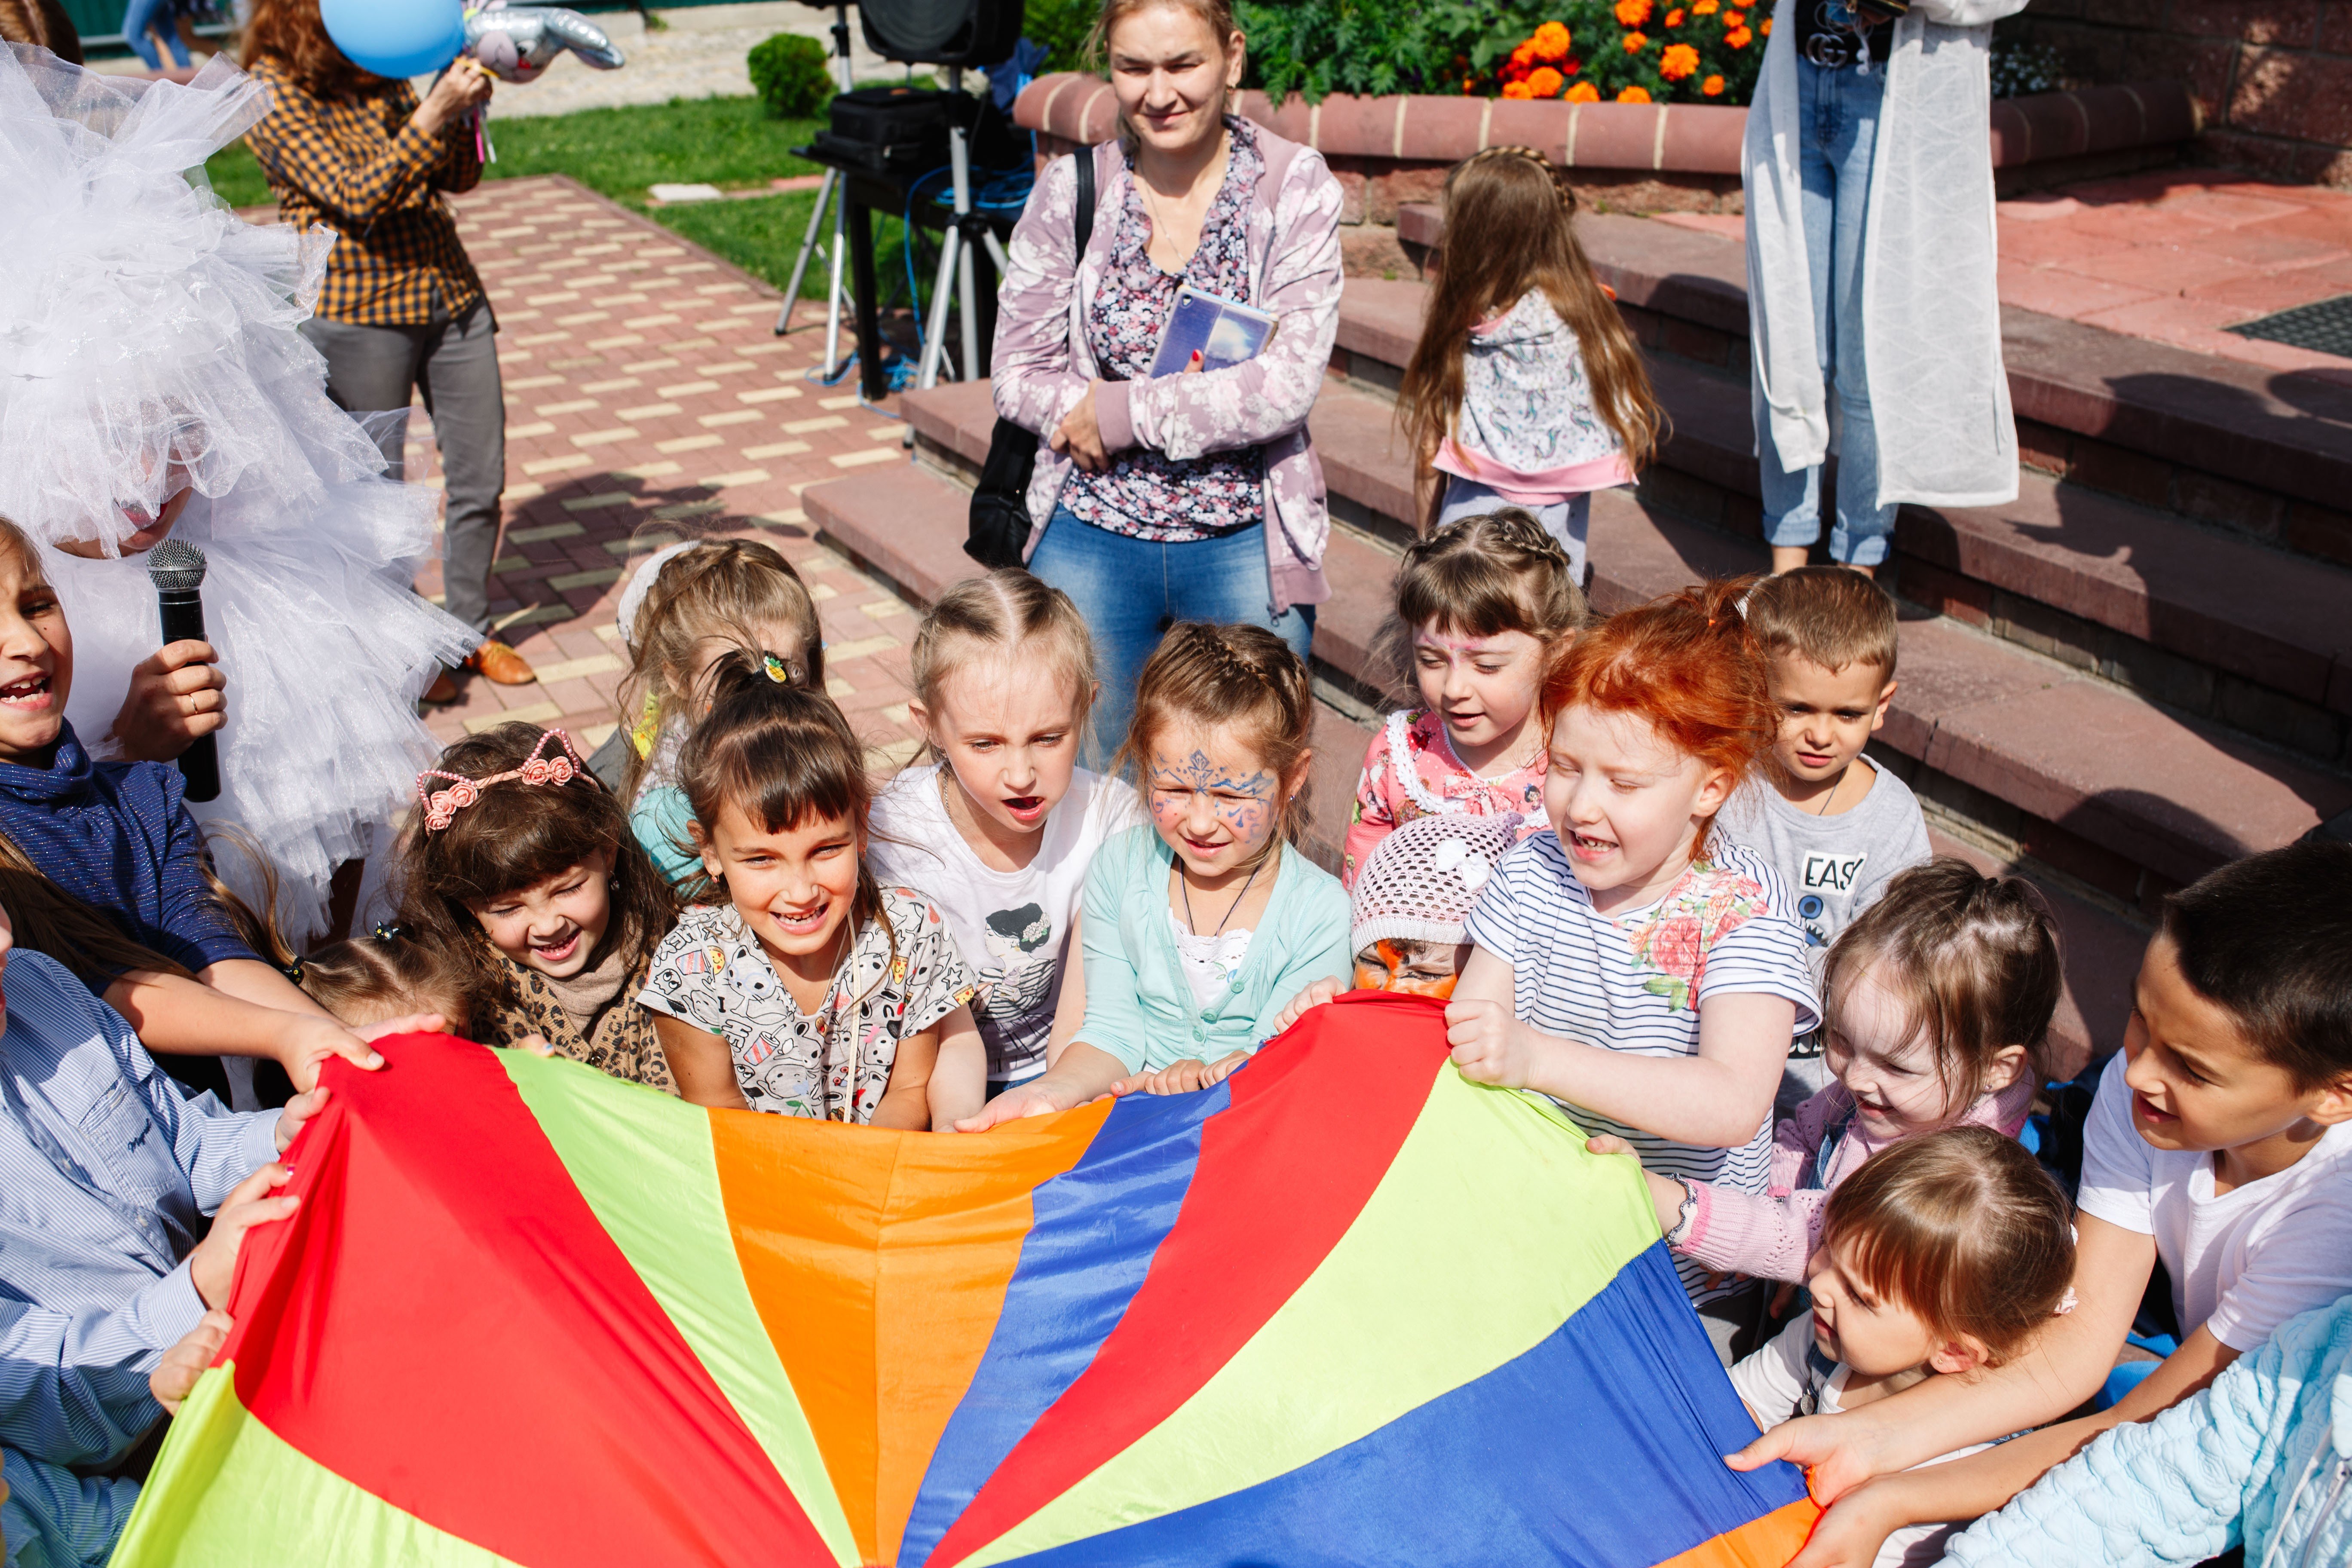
(1836, 827)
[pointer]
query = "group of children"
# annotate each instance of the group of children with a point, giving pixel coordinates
(1643, 863)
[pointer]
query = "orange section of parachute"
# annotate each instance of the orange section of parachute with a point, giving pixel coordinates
(865, 1326)
(1766, 1543)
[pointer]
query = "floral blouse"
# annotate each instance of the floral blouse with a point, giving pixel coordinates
(1145, 493)
(1410, 770)
(711, 972)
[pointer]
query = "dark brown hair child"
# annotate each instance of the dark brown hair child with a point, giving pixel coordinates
(797, 983)
(519, 868)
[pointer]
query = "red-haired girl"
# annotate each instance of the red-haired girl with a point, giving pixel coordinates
(1630, 963)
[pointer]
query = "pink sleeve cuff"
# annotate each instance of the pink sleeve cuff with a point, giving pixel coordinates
(1113, 416)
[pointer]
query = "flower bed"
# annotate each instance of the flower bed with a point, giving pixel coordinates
(1580, 51)
(1636, 51)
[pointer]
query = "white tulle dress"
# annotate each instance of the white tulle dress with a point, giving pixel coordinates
(148, 344)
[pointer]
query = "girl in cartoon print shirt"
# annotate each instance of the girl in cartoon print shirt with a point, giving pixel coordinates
(1199, 925)
(811, 990)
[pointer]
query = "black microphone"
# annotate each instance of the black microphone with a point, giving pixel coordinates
(177, 570)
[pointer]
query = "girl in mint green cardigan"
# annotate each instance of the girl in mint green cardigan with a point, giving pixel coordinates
(1197, 928)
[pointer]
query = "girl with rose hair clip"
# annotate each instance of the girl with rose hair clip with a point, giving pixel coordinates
(520, 873)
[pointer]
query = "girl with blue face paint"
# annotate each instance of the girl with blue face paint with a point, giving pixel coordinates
(1199, 925)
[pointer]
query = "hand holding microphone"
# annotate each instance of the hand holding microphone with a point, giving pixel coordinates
(177, 570)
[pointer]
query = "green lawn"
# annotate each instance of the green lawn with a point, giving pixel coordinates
(620, 152)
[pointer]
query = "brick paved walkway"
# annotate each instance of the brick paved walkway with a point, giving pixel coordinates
(648, 400)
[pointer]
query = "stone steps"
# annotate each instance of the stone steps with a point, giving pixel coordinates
(2217, 623)
(909, 524)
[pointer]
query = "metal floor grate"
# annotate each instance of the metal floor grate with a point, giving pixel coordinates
(2325, 326)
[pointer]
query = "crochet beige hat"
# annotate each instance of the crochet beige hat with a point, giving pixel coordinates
(1420, 882)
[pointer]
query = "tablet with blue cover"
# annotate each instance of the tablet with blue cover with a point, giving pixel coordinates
(1221, 331)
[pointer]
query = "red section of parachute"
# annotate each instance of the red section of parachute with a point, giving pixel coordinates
(520, 1328)
(1263, 1212)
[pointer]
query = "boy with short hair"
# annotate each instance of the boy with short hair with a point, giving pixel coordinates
(2221, 1141)
(1834, 826)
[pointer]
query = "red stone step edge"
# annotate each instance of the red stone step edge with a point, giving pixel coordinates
(2228, 442)
(1688, 138)
(2129, 784)
(2240, 606)
(906, 524)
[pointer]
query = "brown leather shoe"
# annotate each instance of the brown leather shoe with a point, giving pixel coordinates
(498, 663)
(442, 692)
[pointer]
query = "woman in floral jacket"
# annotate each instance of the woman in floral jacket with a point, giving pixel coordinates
(1188, 497)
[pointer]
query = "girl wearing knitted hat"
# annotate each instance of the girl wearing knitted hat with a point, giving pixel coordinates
(153, 383)
(1412, 899)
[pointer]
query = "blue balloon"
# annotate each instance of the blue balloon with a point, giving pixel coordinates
(397, 39)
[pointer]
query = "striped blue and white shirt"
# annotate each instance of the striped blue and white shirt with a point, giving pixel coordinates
(54, 1519)
(106, 1175)
(1636, 981)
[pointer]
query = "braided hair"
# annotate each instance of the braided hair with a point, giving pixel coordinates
(1215, 675)
(1509, 230)
(1479, 577)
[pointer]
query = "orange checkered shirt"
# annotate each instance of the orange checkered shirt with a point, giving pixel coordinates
(356, 165)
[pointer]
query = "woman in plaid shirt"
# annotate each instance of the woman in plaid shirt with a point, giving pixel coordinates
(402, 307)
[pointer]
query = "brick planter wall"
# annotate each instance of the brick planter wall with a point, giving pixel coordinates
(1393, 152)
(2272, 78)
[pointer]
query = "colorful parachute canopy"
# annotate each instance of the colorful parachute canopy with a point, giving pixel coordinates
(1346, 1308)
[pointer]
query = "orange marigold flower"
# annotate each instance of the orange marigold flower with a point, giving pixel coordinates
(1712, 87)
(1704, 7)
(1679, 61)
(1583, 92)
(1632, 13)
(1525, 54)
(1518, 90)
(1765, 27)
(1673, 18)
(1632, 95)
(1550, 42)
(1637, 42)
(1468, 87)
(1734, 19)
(1544, 82)
(1738, 37)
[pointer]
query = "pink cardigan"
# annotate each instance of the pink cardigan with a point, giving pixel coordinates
(1043, 364)
(1771, 1236)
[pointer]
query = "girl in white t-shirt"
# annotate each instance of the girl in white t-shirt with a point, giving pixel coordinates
(1942, 1255)
(1628, 963)
(999, 829)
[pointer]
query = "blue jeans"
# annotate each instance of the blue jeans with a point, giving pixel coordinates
(1838, 117)
(1130, 590)
(159, 16)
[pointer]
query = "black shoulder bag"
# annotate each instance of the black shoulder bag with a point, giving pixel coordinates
(999, 502)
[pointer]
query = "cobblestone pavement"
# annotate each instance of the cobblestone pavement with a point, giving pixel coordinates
(647, 401)
(699, 52)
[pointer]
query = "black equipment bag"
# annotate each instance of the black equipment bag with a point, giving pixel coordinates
(999, 502)
(887, 130)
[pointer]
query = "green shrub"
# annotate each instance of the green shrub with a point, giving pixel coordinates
(793, 75)
(1060, 28)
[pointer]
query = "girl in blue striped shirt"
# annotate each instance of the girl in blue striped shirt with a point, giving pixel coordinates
(1629, 964)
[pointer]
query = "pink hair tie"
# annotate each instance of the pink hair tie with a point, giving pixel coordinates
(442, 805)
